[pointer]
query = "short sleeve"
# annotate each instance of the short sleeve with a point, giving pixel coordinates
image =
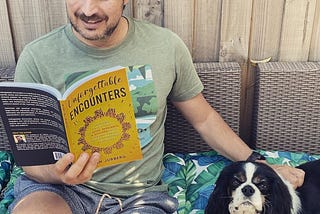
(187, 83)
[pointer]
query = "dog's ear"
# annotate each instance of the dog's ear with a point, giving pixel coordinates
(220, 198)
(280, 193)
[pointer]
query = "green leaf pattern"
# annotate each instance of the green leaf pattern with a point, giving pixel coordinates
(191, 177)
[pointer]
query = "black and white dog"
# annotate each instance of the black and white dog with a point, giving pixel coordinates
(251, 187)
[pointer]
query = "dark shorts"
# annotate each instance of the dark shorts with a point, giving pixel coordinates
(83, 200)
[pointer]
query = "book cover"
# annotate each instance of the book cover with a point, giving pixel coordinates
(95, 114)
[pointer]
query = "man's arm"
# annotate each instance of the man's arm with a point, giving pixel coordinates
(219, 136)
(213, 128)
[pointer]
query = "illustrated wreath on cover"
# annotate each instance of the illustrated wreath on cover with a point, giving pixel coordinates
(99, 114)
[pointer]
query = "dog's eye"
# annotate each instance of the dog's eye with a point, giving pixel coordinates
(263, 185)
(235, 182)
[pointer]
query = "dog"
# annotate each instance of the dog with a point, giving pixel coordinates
(251, 187)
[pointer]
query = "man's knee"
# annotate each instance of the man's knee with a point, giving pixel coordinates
(42, 202)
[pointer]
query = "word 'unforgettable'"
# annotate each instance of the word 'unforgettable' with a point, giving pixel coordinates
(89, 92)
(97, 99)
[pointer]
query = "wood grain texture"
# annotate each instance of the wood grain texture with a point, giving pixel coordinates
(128, 11)
(266, 29)
(315, 39)
(7, 57)
(206, 39)
(213, 30)
(235, 30)
(298, 16)
(33, 18)
(150, 10)
(178, 16)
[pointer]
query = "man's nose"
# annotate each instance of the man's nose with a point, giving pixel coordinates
(90, 7)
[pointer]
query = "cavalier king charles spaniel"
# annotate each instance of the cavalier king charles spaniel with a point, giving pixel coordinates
(251, 187)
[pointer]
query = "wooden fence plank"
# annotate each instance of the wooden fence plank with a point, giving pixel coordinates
(207, 30)
(128, 11)
(150, 10)
(297, 29)
(33, 18)
(235, 30)
(266, 29)
(264, 43)
(178, 16)
(234, 45)
(57, 12)
(315, 41)
(6, 46)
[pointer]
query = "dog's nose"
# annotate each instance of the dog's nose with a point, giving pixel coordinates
(247, 191)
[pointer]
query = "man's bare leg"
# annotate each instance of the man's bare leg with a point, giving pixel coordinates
(42, 202)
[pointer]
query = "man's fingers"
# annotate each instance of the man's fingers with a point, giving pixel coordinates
(87, 172)
(81, 170)
(62, 164)
(293, 175)
(77, 167)
(297, 177)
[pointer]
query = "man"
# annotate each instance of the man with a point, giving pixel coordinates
(100, 37)
(19, 139)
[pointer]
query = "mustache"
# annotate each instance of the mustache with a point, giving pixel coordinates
(94, 17)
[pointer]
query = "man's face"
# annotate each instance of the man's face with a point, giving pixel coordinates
(95, 19)
(19, 138)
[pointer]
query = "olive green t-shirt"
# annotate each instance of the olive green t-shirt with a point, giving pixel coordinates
(52, 58)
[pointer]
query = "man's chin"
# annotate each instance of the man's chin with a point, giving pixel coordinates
(92, 37)
(89, 34)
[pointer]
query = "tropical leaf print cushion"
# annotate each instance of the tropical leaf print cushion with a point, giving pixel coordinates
(191, 177)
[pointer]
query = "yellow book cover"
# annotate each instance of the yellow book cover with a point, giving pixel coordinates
(99, 117)
(95, 114)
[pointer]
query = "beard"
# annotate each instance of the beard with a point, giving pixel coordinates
(89, 33)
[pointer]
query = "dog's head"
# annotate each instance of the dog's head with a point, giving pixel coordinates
(250, 188)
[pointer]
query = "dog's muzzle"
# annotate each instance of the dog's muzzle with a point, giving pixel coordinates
(244, 208)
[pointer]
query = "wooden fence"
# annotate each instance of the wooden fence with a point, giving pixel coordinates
(213, 30)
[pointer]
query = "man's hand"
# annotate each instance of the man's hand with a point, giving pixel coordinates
(64, 170)
(294, 175)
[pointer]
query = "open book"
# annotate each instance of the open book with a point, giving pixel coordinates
(94, 114)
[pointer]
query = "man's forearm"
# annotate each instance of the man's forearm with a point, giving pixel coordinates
(216, 132)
